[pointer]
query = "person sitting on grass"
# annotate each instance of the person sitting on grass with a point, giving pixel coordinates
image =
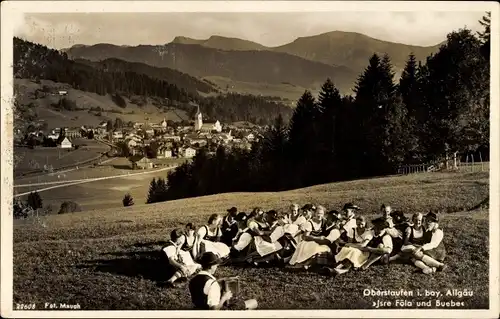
(190, 233)
(313, 241)
(352, 253)
(293, 221)
(380, 245)
(430, 256)
(206, 292)
(229, 226)
(413, 239)
(257, 225)
(396, 234)
(208, 238)
(179, 259)
(308, 210)
(349, 221)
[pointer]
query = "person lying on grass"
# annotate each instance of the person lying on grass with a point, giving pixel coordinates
(208, 239)
(179, 259)
(430, 256)
(316, 240)
(352, 253)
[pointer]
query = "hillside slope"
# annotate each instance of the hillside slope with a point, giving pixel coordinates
(96, 108)
(352, 49)
(246, 66)
(108, 259)
(182, 80)
(222, 43)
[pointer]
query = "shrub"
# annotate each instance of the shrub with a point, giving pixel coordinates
(34, 200)
(69, 207)
(128, 200)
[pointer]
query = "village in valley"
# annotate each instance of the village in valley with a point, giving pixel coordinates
(145, 145)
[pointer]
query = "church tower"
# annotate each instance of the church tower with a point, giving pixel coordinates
(198, 120)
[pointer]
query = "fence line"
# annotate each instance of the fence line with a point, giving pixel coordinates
(460, 166)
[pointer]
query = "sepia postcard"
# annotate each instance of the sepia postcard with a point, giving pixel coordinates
(284, 159)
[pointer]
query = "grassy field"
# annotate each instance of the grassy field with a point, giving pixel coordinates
(55, 118)
(106, 259)
(33, 159)
(290, 92)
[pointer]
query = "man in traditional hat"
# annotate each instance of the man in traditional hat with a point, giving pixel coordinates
(205, 290)
(380, 246)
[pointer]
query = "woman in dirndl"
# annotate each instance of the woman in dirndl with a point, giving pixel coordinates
(352, 254)
(314, 241)
(430, 256)
(190, 234)
(208, 239)
(179, 260)
(413, 239)
(257, 225)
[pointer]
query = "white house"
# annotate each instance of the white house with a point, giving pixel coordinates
(117, 134)
(164, 152)
(63, 93)
(66, 143)
(189, 152)
(53, 136)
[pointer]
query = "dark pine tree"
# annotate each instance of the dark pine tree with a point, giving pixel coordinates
(153, 192)
(302, 136)
(330, 103)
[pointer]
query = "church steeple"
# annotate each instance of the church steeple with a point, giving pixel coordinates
(198, 120)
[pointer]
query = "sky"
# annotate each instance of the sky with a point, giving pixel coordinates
(62, 30)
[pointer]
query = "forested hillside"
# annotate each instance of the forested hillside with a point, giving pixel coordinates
(437, 109)
(34, 61)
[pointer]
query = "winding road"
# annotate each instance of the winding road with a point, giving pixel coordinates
(82, 181)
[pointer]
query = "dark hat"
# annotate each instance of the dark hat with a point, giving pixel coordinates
(209, 259)
(380, 221)
(350, 206)
(272, 215)
(333, 215)
(432, 217)
(241, 216)
(308, 207)
(232, 210)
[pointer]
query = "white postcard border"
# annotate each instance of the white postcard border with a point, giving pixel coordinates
(11, 16)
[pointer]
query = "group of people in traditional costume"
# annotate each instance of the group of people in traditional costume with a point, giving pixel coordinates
(309, 238)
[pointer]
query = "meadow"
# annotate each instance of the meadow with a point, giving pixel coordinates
(106, 259)
(35, 159)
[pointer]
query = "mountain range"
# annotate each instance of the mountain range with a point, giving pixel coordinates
(305, 62)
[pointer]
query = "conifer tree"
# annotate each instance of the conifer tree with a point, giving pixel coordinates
(330, 102)
(152, 194)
